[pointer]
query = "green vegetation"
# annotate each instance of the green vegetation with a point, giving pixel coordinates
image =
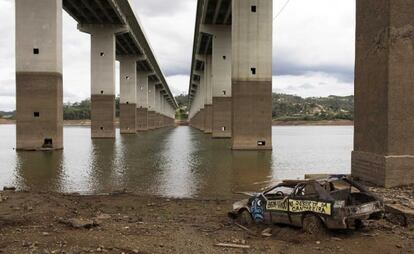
(77, 111)
(292, 107)
(8, 115)
(285, 107)
(181, 112)
(82, 110)
(182, 100)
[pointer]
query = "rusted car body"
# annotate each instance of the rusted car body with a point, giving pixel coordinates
(336, 202)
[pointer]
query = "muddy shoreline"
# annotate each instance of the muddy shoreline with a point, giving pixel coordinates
(34, 222)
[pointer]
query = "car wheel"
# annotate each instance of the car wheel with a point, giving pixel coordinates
(313, 225)
(245, 218)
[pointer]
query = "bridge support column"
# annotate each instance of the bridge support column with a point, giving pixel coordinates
(39, 88)
(221, 79)
(162, 110)
(142, 103)
(252, 74)
(157, 107)
(102, 78)
(384, 102)
(202, 96)
(151, 105)
(128, 103)
(222, 82)
(208, 98)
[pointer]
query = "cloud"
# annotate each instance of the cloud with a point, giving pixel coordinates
(170, 32)
(312, 84)
(7, 103)
(178, 84)
(315, 36)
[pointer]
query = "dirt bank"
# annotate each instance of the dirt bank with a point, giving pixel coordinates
(7, 121)
(310, 123)
(126, 223)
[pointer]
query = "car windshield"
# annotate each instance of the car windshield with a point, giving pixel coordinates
(342, 185)
(283, 189)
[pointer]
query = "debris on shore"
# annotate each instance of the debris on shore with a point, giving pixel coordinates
(33, 222)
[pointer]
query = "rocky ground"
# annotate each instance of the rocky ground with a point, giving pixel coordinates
(126, 223)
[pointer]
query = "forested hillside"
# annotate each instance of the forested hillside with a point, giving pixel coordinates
(291, 107)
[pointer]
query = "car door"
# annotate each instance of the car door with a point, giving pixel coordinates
(303, 193)
(277, 205)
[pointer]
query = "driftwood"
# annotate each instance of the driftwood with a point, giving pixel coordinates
(267, 232)
(246, 229)
(231, 245)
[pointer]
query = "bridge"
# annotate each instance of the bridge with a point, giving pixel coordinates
(230, 89)
(116, 34)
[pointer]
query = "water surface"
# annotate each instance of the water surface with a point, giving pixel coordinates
(173, 162)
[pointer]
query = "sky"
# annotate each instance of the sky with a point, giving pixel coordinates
(313, 47)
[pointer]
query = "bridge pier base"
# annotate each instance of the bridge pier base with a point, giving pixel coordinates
(384, 102)
(151, 120)
(208, 119)
(128, 83)
(39, 88)
(103, 57)
(151, 105)
(221, 117)
(252, 75)
(142, 119)
(142, 101)
(202, 119)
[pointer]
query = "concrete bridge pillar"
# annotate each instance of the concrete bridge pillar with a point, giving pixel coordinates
(151, 105)
(142, 102)
(103, 58)
(252, 74)
(128, 83)
(39, 88)
(384, 93)
(201, 94)
(221, 79)
(157, 106)
(164, 105)
(208, 98)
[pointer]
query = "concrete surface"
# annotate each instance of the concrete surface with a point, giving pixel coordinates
(384, 105)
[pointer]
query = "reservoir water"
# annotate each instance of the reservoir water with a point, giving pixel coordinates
(175, 162)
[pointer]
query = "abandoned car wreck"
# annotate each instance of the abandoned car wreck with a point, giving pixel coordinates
(336, 202)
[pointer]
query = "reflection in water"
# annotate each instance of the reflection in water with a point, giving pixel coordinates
(44, 176)
(175, 162)
(102, 166)
(251, 169)
(176, 177)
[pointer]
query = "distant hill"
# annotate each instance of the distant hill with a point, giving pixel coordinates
(292, 107)
(8, 114)
(182, 100)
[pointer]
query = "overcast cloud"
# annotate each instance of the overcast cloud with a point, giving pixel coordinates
(313, 51)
